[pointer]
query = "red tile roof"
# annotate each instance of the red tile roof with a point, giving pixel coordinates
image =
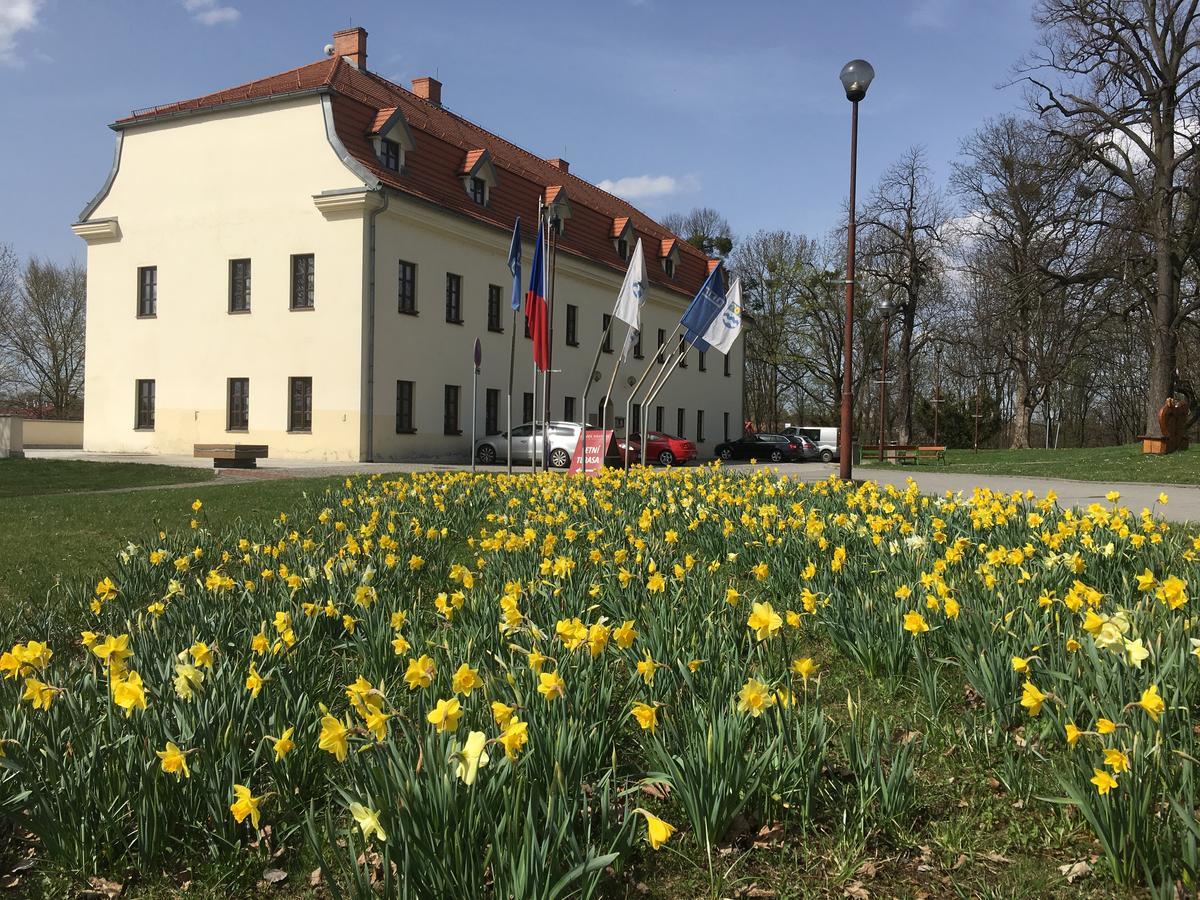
(618, 226)
(363, 101)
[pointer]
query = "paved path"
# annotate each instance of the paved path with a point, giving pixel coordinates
(1184, 499)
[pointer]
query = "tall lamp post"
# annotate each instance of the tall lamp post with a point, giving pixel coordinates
(937, 387)
(856, 77)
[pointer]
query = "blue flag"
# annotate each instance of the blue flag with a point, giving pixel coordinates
(704, 309)
(514, 264)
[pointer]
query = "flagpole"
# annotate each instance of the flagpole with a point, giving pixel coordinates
(512, 362)
(655, 361)
(546, 374)
(587, 385)
(655, 390)
(534, 425)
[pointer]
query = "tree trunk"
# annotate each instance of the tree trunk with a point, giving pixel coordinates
(904, 398)
(1164, 338)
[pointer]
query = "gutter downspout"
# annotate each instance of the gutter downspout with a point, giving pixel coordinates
(371, 216)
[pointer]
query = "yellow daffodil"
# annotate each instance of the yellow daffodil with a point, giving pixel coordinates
(658, 832)
(368, 821)
(445, 716)
(245, 804)
(333, 737)
(646, 715)
(173, 760)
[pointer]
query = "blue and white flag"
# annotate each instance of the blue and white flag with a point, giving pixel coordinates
(514, 264)
(707, 305)
(728, 324)
(632, 298)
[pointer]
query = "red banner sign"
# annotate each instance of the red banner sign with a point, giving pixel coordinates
(598, 443)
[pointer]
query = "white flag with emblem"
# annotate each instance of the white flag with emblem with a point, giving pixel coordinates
(728, 324)
(631, 298)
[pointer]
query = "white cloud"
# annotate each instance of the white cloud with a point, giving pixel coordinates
(210, 12)
(643, 187)
(15, 16)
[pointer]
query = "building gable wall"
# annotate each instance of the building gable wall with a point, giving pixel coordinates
(189, 196)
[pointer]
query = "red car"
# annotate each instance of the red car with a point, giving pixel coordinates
(665, 449)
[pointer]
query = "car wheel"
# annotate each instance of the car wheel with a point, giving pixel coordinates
(726, 454)
(826, 456)
(560, 458)
(486, 454)
(666, 458)
(776, 456)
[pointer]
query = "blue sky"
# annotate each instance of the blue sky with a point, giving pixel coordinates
(731, 104)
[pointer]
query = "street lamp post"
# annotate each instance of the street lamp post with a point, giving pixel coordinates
(856, 77)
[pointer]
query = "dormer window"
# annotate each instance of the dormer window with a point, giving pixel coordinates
(558, 207)
(391, 139)
(478, 176)
(668, 254)
(622, 237)
(389, 153)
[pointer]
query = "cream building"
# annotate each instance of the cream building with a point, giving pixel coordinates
(306, 261)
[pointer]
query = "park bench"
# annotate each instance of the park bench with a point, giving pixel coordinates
(231, 456)
(918, 454)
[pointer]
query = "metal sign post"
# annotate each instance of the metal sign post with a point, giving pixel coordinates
(478, 359)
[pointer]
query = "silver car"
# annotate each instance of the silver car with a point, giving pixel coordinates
(563, 436)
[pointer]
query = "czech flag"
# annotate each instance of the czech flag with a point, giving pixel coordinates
(536, 313)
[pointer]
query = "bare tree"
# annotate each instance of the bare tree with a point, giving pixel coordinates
(900, 250)
(42, 334)
(703, 227)
(1120, 81)
(1029, 237)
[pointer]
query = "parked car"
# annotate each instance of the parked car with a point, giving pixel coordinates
(773, 447)
(825, 437)
(563, 436)
(665, 449)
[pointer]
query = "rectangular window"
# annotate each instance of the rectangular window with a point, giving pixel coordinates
(680, 421)
(454, 298)
(670, 267)
(703, 363)
(389, 153)
(144, 416)
(572, 325)
(404, 407)
(450, 411)
(478, 190)
(304, 275)
(528, 333)
(658, 418)
(635, 418)
(725, 360)
(699, 426)
(147, 304)
(300, 405)
(494, 303)
(724, 426)
(662, 339)
(623, 248)
(637, 346)
(606, 324)
(491, 411)
(237, 407)
(239, 285)
(569, 409)
(682, 352)
(527, 407)
(408, 288)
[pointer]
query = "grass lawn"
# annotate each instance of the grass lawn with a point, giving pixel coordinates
(1122, 463)
(27, 477)
(50, 538)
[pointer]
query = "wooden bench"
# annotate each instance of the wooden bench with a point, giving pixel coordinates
(231, 456)
(926, 452)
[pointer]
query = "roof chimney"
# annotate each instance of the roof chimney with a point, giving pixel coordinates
(561, 164)
(352, 44)
(428, 89)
